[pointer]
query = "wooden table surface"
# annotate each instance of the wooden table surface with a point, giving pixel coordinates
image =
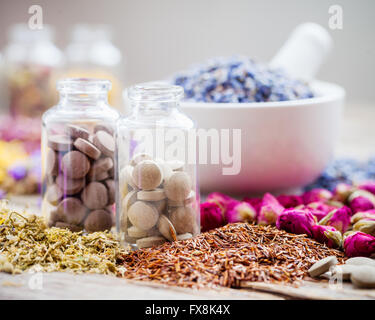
(357, 140)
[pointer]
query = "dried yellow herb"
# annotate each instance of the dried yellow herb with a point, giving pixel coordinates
(26, 242)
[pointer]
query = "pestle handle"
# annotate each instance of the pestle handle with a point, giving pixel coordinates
(304, 52)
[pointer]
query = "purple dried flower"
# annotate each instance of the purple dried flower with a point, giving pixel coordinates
(17, 172)
(289, 201)
(339, 219)
(361, 200)
(296, 221)
(317, 194)
(211, 216)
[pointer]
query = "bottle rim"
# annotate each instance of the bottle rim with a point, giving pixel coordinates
(155, 91)
(83, 85)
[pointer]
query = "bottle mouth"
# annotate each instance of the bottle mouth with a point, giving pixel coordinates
(83, 85)
(155, 92)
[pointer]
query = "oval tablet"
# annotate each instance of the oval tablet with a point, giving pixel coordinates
(322, 266)
(178, 186)
(147, 175)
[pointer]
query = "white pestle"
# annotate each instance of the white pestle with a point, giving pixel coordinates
(304, 52)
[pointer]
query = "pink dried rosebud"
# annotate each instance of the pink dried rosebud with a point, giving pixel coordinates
(368, 186)
(338, 218)
(211, 216)
(342, 191)
(270, 209)
(361, 200)
(318, 214)
(241, 212)
(369, 214)
(291, 201)
(359, 244)
(321, 206)
(296, 221)
(219, 198)
(256, 203)
(328, 235)
(316, 195)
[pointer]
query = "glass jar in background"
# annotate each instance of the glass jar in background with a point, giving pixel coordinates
(78, 157)
(92, 54)
(158, 197)
(31, 65)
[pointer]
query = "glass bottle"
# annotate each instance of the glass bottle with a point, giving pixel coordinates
(32, 63)
(78, 157)
(158, 197)
(91, 53)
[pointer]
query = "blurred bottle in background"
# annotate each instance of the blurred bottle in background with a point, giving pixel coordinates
(92, 54)
(31, 63)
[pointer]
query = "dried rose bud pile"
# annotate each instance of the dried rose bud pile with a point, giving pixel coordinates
(343, 218)
(227, 256)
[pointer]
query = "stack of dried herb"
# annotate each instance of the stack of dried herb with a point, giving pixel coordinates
(26, 242)
(228, 255)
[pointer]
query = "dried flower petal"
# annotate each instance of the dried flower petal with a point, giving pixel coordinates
(339, 219)
(241, 212)
(315, 195)
(211, 216)
(269, 210)
(361, 200)
(328, 235)
(366, 226)
(296, 221)
(289, 201)
(359, 244)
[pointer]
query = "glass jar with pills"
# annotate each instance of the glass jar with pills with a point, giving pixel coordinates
(78, 157)
(158, 199)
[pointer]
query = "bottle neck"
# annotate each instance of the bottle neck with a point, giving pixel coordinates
(78, 100)
(154, 108)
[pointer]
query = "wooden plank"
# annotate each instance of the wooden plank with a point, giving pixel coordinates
(321, 290)
(62, 286)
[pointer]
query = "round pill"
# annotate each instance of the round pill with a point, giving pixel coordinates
(137, 158)
(69, 186)
(97, 176)
(147, 175)
(143, 215)
(166, 228)
(150, 242)
(183, 219)
(71, 227)
(126, 177)
(360, 261)
(73, 210)
(135, 232)
(105, 143)
(153, 195)
(60, 142)
(344, 271)
(363, 277)
(184, 236)
(129, 199)
(101, 165)
(87, 148)
(75, 164)
(77, 132)
(104, 127)
(322, 266)
(178, 186)
(98, 220)
(53, 194)
(110, 184)
(95, 195)
(189, 200)
(52, 163)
